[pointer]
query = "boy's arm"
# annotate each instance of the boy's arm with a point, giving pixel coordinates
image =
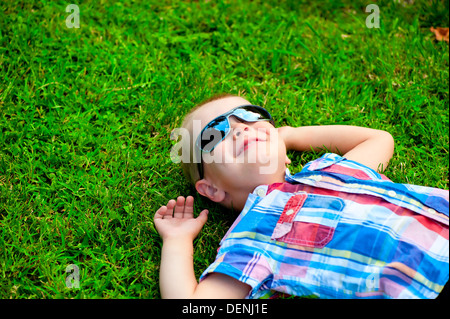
(373, 148)
(178, 228)
(177, 278)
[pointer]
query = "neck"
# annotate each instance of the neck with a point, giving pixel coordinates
(237, 201)
(237, 198)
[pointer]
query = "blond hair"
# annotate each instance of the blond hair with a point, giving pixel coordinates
(190, 166)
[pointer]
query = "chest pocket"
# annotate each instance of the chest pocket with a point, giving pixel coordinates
(308, 220)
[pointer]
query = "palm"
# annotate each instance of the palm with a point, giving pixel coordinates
(177, 219)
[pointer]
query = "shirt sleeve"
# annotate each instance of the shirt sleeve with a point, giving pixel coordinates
(355, 177)
(245, 265)
(336, 164)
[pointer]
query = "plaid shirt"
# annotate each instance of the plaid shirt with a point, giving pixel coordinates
(338, 229)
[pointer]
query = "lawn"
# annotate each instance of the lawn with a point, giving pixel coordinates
(86, 115)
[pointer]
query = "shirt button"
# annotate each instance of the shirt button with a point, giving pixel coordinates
(290, 212)
(392, 193)
(431, 211)
(261, 192)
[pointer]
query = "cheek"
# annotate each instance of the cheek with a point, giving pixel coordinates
(220, 162)
(217, 156)
(264, 128)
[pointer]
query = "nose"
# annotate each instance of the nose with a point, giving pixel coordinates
(238, 129)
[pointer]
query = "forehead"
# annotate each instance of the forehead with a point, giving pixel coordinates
(213, 109)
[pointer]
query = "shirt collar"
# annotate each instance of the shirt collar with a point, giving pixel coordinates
(261, 190)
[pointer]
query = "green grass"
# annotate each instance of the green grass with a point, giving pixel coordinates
(86, 116)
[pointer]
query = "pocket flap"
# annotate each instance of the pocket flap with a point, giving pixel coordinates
(289, 213)
(308, 220)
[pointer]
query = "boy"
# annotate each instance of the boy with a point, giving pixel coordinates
(337, 229)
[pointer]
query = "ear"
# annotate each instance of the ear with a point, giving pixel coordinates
(207, 189)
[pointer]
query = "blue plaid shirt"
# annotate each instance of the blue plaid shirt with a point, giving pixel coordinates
(338, 229)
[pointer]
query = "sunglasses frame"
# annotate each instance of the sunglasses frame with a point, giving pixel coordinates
(226, 116)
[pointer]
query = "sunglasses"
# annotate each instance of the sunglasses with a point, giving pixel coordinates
(219, 128)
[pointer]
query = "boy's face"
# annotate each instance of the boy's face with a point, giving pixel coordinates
(250, 155)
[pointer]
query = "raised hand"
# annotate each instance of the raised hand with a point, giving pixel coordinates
(176, 219)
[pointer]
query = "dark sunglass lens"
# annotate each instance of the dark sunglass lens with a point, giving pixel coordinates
(253, 114)
(210, 138)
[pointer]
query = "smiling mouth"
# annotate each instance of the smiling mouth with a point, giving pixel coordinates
(247, 143)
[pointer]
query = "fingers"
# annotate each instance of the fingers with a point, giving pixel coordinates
(160, 212)
(179, 208)
(189, 207)
(170, 205)
(165, 212)
(203, 216)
